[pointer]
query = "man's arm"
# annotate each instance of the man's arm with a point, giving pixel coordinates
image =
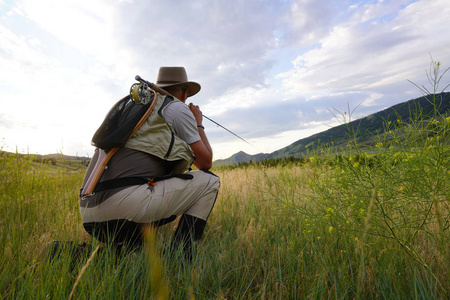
(202, 149)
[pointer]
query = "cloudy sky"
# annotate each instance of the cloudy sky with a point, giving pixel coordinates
(272, 71)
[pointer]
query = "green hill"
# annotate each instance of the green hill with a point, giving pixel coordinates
(364, 129)
(56, 160)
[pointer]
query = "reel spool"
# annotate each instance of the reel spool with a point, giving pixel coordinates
(141, 93)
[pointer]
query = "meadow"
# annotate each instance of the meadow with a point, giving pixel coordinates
(352, 225)
(342, 223)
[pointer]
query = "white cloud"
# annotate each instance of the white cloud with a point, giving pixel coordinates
(359, 56)
(310, 21)
(85, 27)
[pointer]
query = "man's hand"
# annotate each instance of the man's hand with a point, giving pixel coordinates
(198, 115)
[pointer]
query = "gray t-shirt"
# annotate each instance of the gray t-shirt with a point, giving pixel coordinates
(180, 117)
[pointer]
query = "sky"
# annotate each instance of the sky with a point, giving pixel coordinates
(271, 71)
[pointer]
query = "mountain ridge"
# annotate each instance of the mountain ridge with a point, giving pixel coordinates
(370, 125)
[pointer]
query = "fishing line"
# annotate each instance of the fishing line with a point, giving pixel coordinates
(230, 132)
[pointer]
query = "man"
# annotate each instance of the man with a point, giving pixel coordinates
(165, 145)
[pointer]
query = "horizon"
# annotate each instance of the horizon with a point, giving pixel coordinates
(47, 155)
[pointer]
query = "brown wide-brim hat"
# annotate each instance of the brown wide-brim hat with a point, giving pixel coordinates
(176, 76)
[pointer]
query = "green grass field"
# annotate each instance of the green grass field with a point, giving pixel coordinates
(353, 225)
(347, 223)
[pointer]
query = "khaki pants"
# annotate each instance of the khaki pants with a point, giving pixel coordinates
(170, 197)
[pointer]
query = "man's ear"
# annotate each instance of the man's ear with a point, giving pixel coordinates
(185, 95)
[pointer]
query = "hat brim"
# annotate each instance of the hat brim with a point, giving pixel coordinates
(193, 87)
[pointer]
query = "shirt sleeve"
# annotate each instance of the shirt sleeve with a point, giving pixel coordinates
(180, 117)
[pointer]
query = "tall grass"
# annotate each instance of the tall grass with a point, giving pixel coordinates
(345, 224)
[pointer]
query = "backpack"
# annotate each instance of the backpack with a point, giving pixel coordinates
(124, 118)
(120, 123)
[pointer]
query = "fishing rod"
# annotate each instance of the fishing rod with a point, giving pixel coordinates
(227, 130)
(164, 92)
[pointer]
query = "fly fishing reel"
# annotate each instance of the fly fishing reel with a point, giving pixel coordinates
(141, 93)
